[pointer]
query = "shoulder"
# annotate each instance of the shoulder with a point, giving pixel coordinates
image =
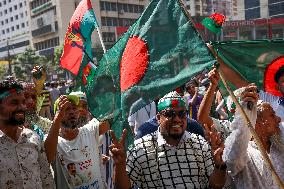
(145, 142)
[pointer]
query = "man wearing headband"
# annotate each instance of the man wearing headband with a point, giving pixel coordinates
(170, 157)
(23, 162)
(75, 145)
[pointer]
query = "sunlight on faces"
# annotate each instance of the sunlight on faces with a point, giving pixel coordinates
(267, 120)
(71, 117)
(13, 110)
(280, 85)
(172, 122)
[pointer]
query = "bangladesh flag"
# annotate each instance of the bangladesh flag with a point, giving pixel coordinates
(77, 54)
(160, 51)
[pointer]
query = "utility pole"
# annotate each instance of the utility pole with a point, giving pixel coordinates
(9, 62)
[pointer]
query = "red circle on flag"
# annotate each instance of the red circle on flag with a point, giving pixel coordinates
(270, 71)
(134, 62)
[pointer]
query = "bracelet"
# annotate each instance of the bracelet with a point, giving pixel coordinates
(221, 167)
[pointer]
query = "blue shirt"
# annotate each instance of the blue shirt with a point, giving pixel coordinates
(152, 125)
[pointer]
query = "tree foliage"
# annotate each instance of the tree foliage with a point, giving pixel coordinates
(24, 63)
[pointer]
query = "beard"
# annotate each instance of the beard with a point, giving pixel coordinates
(31, 117)
(13, 121)
(71, 124)
(83, 120)
(176, 136)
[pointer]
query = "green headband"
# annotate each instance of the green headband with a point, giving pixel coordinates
(10, 92)
(72, 98)
(171, 103)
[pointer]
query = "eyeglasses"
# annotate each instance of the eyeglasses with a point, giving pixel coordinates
(172, 114)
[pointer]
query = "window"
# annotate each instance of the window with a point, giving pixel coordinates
(1, 13)
(130, 7)
(27, 24)
(15, 7)
(103, 19)
(25, 3)
(7, 30)
(23, 25)
(4, 2)
(16, 17)
(17, 26)
(26, 13)
(21, 5)
(22, 15)
(12, 28)
(3, 31)
(6, 20)
(10, 9)
(11, 19)
(102, 5)
(0, 4)
(141, 8)
(5, 11)
(107, 4)
(136, 9)
(113, 6)
(9, 1)
(2, 22)
(125, 8)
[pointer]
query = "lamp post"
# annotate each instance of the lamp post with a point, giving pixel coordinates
(8, 53)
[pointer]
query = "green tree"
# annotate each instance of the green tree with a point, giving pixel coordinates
(3, 71)
(24, 63)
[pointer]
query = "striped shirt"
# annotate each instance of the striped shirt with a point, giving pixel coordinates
(46, 101)
(153, 163)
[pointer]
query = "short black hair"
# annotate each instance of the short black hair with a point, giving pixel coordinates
(279, 73)
(6, 85)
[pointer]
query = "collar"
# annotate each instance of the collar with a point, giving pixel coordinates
(161, 141)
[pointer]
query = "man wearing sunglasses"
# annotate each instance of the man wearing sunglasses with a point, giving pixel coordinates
(170, 157)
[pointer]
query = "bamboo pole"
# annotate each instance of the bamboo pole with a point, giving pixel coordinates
(244, 115)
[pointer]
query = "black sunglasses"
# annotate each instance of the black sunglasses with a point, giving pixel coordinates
(172, 114)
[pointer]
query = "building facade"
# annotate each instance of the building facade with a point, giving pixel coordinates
(50, 18)
(14, 30)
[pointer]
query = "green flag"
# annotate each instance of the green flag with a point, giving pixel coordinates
(249, 58)
(159, 52)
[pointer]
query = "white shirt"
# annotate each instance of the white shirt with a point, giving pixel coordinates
(274, 102)
(244, 160)
(83, 152)
(141, 116)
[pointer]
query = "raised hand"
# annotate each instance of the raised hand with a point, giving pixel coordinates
(250, 93)
(39, 82)
(63, 104)
(213, 75)
(117, 148)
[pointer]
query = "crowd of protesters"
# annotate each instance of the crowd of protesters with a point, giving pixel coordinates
(192, 137)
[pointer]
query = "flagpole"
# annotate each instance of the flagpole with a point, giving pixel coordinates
(244, 115)
(101, 39)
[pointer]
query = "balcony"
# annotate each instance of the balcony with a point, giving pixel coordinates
(42, 7)
(42, 30)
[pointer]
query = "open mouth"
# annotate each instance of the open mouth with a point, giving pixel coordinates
(176, 126)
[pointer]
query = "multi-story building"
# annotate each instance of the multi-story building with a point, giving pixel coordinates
(14, 30)
(197, 8)
(248, 9)
(50, 18)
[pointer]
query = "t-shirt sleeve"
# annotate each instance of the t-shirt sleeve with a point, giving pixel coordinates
(93, 127)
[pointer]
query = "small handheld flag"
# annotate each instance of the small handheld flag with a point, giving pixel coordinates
(214, 22)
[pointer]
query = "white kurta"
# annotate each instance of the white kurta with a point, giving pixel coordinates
(243, 158)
